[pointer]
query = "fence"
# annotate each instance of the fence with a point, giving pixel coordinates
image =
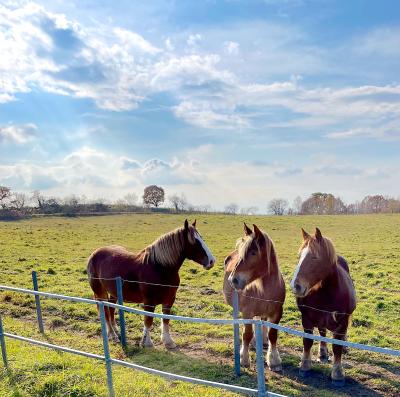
(235, 322)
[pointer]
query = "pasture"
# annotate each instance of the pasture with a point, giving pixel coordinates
(57, 248)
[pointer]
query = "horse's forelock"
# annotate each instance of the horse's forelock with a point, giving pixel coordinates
(316, 247)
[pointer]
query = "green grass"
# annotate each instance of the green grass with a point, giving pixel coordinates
(57, 248)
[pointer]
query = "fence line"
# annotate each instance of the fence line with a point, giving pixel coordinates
(261, 391)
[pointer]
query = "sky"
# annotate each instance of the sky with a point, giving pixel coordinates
(224, 101)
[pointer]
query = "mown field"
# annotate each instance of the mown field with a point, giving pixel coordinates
(57, 248)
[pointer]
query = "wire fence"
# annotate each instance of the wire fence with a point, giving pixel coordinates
(235, 322)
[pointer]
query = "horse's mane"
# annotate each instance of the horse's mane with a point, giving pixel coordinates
(315, 247)
(166, 250)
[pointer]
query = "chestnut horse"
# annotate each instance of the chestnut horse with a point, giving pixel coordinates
(326, 298)
(150, 276)
(253, 270)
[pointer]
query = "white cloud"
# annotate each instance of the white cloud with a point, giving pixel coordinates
(194, 39)
(18, 134)
(231, 47)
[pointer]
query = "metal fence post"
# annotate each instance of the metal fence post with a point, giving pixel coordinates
(106, 350)
(262, 390)
(37, 301)
(3, 345)
(236, 333)
(121, 311)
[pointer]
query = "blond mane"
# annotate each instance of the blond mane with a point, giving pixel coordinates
(316, 248)
(167, 249)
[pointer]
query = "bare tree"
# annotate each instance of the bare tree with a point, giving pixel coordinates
(297, 202)
(131, 198)
(153, 195)
(278, 206)
(179, 203)
(18, 201)
(5, 194)
(374, 204)
(231, 209)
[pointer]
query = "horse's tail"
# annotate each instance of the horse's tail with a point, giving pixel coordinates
(94, 281)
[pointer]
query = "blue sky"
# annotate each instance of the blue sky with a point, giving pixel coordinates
(225, 101)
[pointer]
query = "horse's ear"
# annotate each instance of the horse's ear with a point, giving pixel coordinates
(306, 236)
(258, 233)
(246, 229)
(186, 224)
(318, 234)
(194, 223)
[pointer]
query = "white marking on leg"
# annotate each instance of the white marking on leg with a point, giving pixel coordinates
(244, 356)
(210, 256)
(166, 337)
(303, 255)
(274, 360)
(146, 339)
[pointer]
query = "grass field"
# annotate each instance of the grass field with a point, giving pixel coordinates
(57, 248)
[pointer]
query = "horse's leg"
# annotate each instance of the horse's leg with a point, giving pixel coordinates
(337, 373)
(274, 360)
(148, 322)
(305, 364)
(113, 323)
(246, 339)
(323, 348)
(165, 336)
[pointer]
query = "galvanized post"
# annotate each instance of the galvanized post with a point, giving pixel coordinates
(262, 390)
(37, 301)
(236, 333)
(121, 312)
(3, 345)
(106, 350)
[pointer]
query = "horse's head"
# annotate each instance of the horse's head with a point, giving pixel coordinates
(254, 257)
(317, 257)
(196, 249)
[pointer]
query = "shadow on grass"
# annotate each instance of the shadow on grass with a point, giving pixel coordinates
(182, 362)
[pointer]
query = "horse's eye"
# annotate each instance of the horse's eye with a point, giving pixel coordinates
(253, 253)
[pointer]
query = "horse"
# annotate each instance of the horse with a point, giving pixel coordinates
(326, 298)
(151, 276)
(252, 269)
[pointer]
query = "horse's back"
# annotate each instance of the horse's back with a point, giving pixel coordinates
(108, 259)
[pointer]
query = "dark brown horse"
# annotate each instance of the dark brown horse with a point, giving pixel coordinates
(150, 276)
(253, 270)
(325, 297)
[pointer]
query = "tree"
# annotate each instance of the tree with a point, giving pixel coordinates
(153, 195)
(297, 202)
(5, 194)
(374, 204)
(131, 198)
(323, 204)
(17, 201)
(278, 206)
(231, 209)
(179, 203)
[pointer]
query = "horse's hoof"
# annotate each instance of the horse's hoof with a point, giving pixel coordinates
(304, 373)
(245, 364)
(170, 346)
(276, 368)
(338, 382)
(324, 359)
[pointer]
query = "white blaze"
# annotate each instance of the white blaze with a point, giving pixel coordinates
(303, 255)
(210, 256)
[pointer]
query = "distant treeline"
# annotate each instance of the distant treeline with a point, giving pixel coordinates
(15, 205)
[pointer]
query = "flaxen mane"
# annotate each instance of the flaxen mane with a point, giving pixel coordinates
(316, 248)
(167, 249)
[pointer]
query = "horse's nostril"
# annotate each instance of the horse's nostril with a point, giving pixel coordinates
(297, 287)
(235, 281)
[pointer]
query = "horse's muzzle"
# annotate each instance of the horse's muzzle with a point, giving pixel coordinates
(210, 264)
(299, 290)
